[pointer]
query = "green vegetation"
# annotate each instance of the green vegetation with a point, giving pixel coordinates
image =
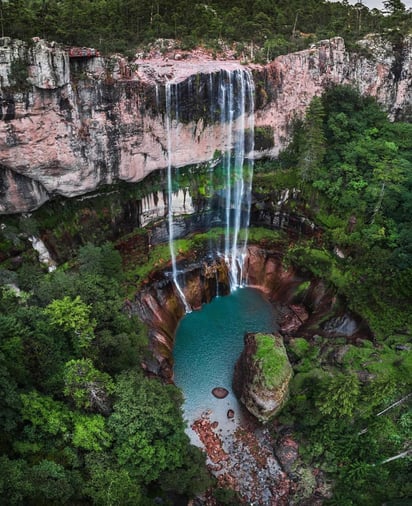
(355, 177)
(261, 30)
(337, 406)
(79, 423)
(272, 358)
(355, 173)
(263, 138)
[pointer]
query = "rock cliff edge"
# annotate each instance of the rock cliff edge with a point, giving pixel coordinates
(68, 125)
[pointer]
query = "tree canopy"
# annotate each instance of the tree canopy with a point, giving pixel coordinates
(119, 25)
(79, 423)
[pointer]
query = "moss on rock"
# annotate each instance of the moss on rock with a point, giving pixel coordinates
(262, 375)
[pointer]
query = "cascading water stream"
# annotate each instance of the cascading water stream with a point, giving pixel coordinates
(230, 99)
(235, 96)
(168, 90)
(248, 177)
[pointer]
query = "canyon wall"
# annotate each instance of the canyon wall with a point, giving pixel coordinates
(160, 306)
(68, 125)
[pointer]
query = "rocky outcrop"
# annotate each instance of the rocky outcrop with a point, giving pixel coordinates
(289, 83)
(70, 125)
(160, 305)
(262, 375)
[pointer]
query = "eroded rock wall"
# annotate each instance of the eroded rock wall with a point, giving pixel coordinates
(287, 85)
(159, 304)
(70, 125)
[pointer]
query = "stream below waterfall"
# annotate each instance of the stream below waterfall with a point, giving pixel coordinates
(208, 343)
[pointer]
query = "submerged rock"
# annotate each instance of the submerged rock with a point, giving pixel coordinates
(262, 375)
(220, 392)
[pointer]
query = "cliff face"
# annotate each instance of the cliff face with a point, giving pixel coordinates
(290, 82)
(68, 125)
(160, 306)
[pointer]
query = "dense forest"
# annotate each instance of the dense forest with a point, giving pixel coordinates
(351, 162)
(80, 423)
(274, 27)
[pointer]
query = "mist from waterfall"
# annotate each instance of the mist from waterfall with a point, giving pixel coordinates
(230, 97)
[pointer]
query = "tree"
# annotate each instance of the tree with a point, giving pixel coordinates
(394, 6)
(90, 433)
(147, 427)
(9, 398)
(87, 387)
(311, 159)
(50, 416)
(50, 484)
(190, 478)
(109, 484)
(339, 397)
(388, 172)
(14, 487)
(72, 316)
(101, 260)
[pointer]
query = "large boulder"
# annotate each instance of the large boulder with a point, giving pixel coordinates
(262, 375)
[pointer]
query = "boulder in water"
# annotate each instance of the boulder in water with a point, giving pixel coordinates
(262, 375)
(220, 392)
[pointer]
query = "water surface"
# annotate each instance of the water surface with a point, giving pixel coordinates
(208, 343)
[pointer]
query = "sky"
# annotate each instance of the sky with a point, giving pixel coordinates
(378, 4)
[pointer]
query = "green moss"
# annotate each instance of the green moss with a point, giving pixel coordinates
(268, 177)
(302, 288)
(317, 261)
(260, 234)
(299, 346)
(272, 358)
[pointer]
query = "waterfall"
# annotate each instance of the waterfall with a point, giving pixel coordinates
(236, 114)
(169, 118)
(230, 101)
(249, 136)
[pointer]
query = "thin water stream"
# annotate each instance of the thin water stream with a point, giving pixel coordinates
(208, 343)
(234, 102)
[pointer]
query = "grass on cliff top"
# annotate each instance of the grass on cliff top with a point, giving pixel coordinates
(263, 235)
(273, 360)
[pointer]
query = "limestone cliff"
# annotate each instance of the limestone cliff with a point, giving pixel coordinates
(262, 375)
(68, 125)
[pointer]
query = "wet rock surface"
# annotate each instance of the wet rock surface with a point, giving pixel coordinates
(287, 452)
(292, 317)
(243, 461)
(260, 465)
